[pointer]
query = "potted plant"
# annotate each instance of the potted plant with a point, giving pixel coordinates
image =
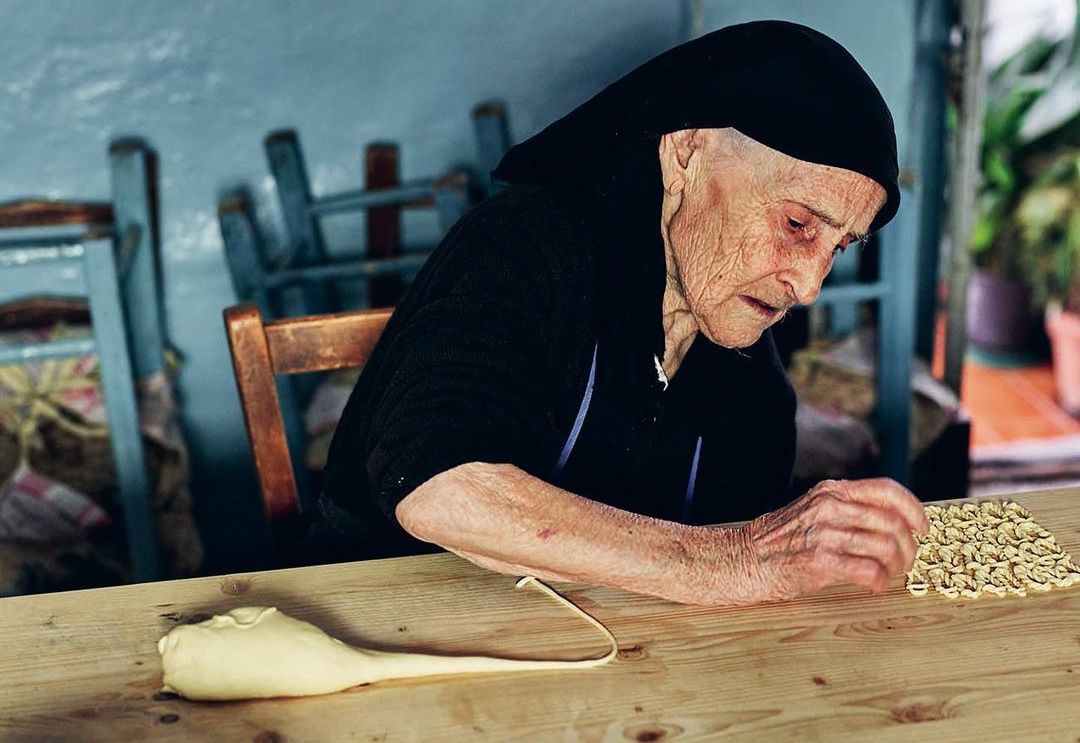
(1000, 315)
(1048, 222)
(1043, 212)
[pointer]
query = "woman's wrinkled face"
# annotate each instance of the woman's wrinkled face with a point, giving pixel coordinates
(750, 232)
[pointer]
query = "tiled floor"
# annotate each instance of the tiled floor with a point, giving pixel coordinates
(1020, 439)
(1008, 405)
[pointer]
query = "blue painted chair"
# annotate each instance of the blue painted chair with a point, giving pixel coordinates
(296, 279)
(114, 246)
(491, 130)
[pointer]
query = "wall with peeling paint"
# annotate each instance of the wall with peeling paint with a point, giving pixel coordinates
(204, 81)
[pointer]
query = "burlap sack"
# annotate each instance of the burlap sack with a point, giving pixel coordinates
(52, 421)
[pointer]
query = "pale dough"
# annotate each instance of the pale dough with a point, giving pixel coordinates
(255, 652)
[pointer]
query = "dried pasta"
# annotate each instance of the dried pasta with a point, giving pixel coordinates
(993, 547)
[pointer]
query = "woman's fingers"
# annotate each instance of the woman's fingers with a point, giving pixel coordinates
(835, 568)
(857, 532)
(854, 518)
(839, 511)
(888, 494)
(885, 549)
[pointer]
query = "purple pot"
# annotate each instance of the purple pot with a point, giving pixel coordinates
(999, 316)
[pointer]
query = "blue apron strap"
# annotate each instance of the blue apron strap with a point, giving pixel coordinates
(583, 409)
(688, 501)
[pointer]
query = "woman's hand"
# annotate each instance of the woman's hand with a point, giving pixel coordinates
(841, 531)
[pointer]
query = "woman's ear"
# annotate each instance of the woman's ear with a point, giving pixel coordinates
(676, 149)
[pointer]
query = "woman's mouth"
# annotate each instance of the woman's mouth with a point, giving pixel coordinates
(767, 311)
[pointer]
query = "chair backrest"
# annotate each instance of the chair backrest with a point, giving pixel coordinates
(382, 199)
(113, 243)
(263, 350)
(43, 213)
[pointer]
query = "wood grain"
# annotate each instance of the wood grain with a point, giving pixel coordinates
(252, 367)
(324, 342)
(42, 213)
(841, 665)
(289, 346)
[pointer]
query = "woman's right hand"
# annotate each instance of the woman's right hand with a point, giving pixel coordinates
(840, 531)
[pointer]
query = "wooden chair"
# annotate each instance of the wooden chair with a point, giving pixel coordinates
(296, 278)
(113, 244)
(264, 351)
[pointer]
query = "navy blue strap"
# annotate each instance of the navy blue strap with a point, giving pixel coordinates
(688, 501)
(579, 421)
(583, 409)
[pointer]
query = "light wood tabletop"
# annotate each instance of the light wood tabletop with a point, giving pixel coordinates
(841, 665)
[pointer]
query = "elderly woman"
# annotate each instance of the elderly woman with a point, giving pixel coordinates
(581, 379)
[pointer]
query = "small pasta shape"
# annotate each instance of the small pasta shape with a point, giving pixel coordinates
(991, 547)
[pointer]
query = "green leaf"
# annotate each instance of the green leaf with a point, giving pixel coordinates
(983, 232)
(998, 172)
(1053, 110)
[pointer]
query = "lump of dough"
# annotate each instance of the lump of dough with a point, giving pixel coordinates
(256, 652)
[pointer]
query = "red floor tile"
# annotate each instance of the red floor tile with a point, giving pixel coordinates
(1007, 404)
(1013, 404)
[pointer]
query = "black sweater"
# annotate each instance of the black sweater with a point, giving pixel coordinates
(488, 358)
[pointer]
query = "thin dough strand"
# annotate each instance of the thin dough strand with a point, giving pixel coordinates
(528, 580)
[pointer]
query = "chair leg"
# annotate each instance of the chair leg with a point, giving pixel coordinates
(383, 223)
(118, 386)
(492, 135)
(296, 436)
(242, 252)
(451, 199)
(141, 297)
(304, 243)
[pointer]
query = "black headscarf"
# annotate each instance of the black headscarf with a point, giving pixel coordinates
(787, 86)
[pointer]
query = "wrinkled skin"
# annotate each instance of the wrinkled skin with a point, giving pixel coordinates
(744, 224)
(841, 531)
(737, 222)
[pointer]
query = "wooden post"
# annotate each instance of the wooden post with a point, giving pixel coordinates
(258, 388)
(896, 340)
(934, 21)
(962, 184)
(381, 170)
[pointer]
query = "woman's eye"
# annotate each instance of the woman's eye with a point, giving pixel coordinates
(795, 224)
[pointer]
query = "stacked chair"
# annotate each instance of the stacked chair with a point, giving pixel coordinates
(113, 246)
(297, 279)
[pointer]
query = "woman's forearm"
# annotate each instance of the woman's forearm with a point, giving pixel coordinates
(503, 519)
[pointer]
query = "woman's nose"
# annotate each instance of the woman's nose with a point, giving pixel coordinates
(805, 277)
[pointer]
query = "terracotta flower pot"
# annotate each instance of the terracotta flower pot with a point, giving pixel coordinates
(1064, 331)
(999, 316)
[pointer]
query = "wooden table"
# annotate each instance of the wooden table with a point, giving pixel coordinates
(842, 665)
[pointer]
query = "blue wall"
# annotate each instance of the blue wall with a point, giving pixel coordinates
(203, 82)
